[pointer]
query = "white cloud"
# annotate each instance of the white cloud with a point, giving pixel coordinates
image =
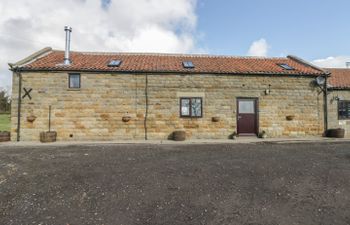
(117, 25)
(259, 48)
(332, 61)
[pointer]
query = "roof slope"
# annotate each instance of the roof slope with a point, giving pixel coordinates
(339, 79)
(169, 63)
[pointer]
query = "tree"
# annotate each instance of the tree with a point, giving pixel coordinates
(5, 100)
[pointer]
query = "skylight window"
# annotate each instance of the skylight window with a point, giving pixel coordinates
(114, 63)
(286, 66)
(188, 64)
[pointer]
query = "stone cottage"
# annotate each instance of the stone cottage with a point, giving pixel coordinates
(339, 99)
(119, 96)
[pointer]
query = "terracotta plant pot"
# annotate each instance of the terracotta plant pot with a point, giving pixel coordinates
(290, 118)
(48, 136)
(126, 118)
(215, 119)
(31, 119)
(179, 135)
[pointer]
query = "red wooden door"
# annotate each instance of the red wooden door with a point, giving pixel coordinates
(247, 116)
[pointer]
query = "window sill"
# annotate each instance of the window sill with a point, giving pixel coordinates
(73, 89)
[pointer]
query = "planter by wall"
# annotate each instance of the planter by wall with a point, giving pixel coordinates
(48, 136)
(215, 119)
(5, 136)
(233, 135)
(289, 118)
(126, 118)
(335, 133)
(262, 135)
(179, 135)
(31, 119)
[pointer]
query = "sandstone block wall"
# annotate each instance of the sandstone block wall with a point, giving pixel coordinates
(333, 121)
(95, 111)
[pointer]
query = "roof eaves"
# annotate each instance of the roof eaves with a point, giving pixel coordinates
(30, 58)
(166, 72)
(306, 63)
(335, 88)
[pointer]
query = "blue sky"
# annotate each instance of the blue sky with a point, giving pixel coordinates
(310, 29)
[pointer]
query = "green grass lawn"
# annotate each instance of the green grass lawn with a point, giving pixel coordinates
(5, 122)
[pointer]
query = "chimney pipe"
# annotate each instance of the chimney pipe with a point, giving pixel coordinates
(67, 60)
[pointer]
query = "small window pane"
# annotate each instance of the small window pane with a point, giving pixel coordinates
(286, 66)
(196, 107)
(114, 63)
(185, 107)
(246, 107)
(74, 80)
(188, 64)
(191, 107)
(344, 110)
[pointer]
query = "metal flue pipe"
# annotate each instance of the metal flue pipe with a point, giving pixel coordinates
(68, 31)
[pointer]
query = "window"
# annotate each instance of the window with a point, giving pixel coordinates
(114, 63)
(344, 110)
(74, 80)
(286, 66)
(246, 106)
(188, 64)
(191, 107)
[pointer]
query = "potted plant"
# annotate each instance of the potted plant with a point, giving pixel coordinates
(31, 118)
(215, 119)
(234, 135)
(5, 136)
(48, 136)
(290, 117)
(262, 134)
(179, 135)
(126, 118)
(335, 133)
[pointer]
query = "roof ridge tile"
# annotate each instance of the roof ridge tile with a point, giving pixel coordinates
(195, 55)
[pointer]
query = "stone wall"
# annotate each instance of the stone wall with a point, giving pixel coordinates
(333, 121)
(95, 111)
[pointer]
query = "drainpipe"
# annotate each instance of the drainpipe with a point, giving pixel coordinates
(146, 111)
(19, 102)
(325, 94)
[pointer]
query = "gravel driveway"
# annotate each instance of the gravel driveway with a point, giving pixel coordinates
(284, 184)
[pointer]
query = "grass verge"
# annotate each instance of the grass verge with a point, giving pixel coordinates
(5, 122)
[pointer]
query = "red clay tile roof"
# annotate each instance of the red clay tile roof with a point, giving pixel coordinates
(163, 63)
(340, 78)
